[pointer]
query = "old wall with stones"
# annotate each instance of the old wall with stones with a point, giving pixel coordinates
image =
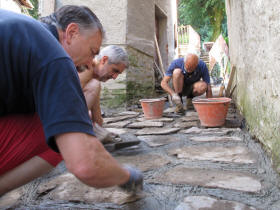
(141, 28)
(254, 42)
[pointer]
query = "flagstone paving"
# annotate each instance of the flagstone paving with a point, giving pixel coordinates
(204, 202)
(156, 140)
(163, 119)
(185, 166)
(156, 131)
(235, 154)
(145, 124)
(210, 178)
(215, 138)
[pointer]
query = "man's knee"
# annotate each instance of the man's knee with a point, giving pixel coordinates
(199, 88)
(177, 73)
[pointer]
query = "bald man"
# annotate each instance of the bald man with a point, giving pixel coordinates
(190, 77)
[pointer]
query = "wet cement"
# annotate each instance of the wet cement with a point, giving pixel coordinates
(163, 193)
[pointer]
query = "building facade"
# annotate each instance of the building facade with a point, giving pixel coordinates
(133, 25)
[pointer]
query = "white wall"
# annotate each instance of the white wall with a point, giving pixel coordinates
(254, 46)
(10, 5)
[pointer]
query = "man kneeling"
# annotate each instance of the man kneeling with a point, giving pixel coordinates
(186, 74)
(111, 61)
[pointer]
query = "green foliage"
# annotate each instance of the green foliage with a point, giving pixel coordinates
(207, 17)
(216, 71)
(35, 11)
(183, 39)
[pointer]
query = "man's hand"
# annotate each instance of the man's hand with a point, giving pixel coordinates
(135, 182)
(176, 98)
(102, 134)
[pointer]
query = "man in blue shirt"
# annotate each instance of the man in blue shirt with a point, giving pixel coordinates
(186, 74)
(38, 77)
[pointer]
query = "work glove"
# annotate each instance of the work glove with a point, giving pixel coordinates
(176, 99)
(135, 182)
(102, 134)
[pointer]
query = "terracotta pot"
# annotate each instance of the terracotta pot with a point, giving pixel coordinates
(212, 111)
(153, 108)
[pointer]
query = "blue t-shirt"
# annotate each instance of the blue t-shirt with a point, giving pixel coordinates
(201, 71)
(37, 75)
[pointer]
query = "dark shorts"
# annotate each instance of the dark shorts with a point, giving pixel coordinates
(21, 138)
(187, 90)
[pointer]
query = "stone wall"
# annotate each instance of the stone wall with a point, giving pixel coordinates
(134, 83)
(254, 42)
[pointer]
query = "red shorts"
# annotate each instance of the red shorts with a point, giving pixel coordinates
(21, 138)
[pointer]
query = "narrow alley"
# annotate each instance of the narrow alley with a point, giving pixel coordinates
(185, 167)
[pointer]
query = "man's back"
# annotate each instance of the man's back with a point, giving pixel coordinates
(25, 48)
(37, 75)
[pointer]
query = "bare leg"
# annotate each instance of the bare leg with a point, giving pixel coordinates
(178, 80)
(92, 94)
(24, 173)
(199, 88)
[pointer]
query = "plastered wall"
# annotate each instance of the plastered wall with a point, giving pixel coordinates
(131, 25)
(254, 47)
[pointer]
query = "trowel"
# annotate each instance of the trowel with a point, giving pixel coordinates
(120, 145)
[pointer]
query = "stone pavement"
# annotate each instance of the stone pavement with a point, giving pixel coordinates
(186, 167)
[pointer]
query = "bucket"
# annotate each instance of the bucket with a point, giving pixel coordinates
(152, 108)
(212, 112)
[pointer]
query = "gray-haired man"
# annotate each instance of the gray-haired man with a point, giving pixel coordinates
(45, 101)
(108, 64)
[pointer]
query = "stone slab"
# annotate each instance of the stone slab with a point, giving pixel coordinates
(215, 138)
(210, 203)
(235, 154)
(120, 124)
(188, 124)
(162, 119)
(209, 131)
(117, 131)
(169, 110)
(118, 118)
(156, 141)
(129, 113)
(145, 124)
(189, 118)
(144, 162)
(11, 199)
(156, 131)
(67, 187)
(210, 178)
(191, 114)
(128, 137)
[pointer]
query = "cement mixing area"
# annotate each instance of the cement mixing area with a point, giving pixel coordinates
(186, 166)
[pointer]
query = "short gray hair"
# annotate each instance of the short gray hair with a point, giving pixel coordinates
(191, 51)
(115, 55)
(80, 15)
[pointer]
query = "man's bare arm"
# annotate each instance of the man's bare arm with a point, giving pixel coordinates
(165, 86)
(87, 159)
